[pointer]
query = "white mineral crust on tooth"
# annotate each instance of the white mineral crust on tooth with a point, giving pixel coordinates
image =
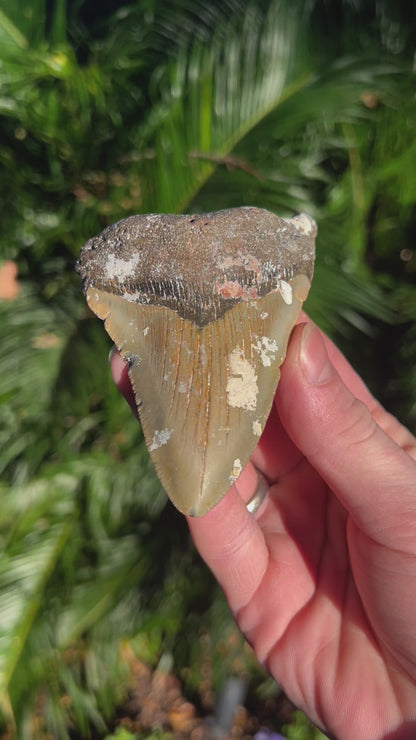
(267, 349)
(286, 292)
(160, 438)
(120, 270)
(237, 468)
(256, 427)
(304, 223)
(242, 388)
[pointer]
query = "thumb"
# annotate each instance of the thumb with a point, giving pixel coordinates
(374, 478)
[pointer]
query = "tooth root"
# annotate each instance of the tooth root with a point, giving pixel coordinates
(204, 388)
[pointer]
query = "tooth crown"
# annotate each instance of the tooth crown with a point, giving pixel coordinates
(202, 308)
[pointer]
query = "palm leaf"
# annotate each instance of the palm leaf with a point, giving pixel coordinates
(32, 336)
(215, 98)
(23, 577)
(259, 84)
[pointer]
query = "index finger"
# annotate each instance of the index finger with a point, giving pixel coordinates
(232, 544)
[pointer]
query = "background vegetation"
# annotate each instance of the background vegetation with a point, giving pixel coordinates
(169, 106)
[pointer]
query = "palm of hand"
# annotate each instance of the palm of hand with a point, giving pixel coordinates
(318, 619)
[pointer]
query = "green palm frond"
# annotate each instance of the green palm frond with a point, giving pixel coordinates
(24, 573)
(342, 302)
(242, 100)
(216, 96)
(32, 338)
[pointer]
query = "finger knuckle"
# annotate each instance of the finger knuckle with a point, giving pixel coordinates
(358, 426)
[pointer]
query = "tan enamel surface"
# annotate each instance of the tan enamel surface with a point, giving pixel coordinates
(203, 394)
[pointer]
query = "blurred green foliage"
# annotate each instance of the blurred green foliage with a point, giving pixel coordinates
(301, 729)
(169, 106)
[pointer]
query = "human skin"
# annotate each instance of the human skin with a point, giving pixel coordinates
(322, 579)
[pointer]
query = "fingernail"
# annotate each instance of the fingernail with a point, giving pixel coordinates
(112, 352)
(314, 359)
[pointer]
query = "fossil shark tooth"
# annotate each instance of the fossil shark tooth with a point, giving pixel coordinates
(201, 307)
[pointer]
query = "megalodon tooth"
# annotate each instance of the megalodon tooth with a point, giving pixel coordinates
(201, 307)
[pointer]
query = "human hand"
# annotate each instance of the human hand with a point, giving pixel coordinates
(322, 579)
